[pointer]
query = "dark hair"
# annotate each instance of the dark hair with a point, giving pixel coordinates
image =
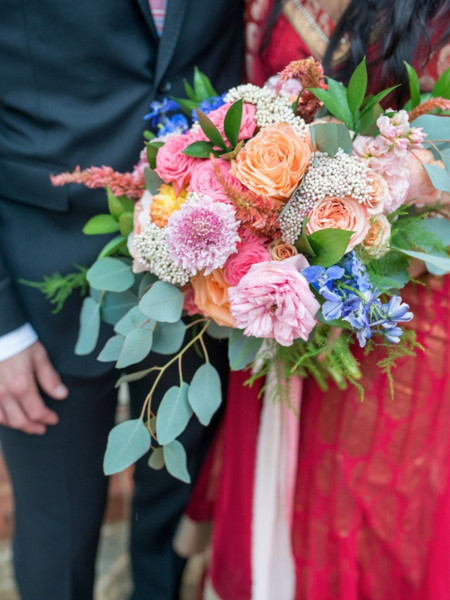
(400, 30)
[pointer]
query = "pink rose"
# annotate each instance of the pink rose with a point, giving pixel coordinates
(421, 191)
(339, 213)
(205, 181)
(248, 253)
(172, 165)
(273, 300)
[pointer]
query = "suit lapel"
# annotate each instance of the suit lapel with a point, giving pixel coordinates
(145, 8)
(172, 27)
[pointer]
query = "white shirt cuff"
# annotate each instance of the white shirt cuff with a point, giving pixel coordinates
(17, 341)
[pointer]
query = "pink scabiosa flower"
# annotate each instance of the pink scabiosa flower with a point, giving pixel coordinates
(202, 234)
(273, 300)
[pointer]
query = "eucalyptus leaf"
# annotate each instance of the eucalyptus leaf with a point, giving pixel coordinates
(205, 393)
(136, 347)
(329, 137)
(134, 319)
(100, 224)
(112, 349)
(89, 327)
(152, 181)
(156, 459)
(242, 349)
(329, 246)
(127, 442)
(168, 337)
(116, 305)
(174, 414)
(440, 178)
(440, 228)
(110, 274)
(232, 122)
(176, 461)
(146, 282)
(441, 262)
(218, 332)
(163, 302)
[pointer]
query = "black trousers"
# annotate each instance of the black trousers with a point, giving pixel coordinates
(60, 495)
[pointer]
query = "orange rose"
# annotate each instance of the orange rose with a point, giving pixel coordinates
(339, 213)
(273, 162)
(211, 297)
(280, 250)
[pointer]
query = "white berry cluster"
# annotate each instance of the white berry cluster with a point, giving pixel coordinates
(270, 108)
(342, 175)
(152, 250)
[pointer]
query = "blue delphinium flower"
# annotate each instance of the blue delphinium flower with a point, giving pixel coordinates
(350, 296)
(159, 111)
(208, 105)
(176, 124)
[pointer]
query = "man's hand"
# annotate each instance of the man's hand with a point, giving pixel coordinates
(21, 406)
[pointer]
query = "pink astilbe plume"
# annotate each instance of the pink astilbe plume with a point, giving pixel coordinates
(309, 72)
(121, 184)
(257, 213)
(428, 106)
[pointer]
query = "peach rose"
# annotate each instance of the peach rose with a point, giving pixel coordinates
(339, 213)
(379, 194)
(376, 241)
(273, 162)
(421, 190)
(211, 297)
(280, 250)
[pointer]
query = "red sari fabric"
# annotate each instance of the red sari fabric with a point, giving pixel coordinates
(372, 501)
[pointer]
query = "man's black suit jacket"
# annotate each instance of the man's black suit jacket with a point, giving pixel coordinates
(76, 78)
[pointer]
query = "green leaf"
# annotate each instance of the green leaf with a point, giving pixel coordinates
(232, 122)
(367, 122)
(176, 461)
(168, 337)
(111, 350)
(174, 414)
(113, 246)
(100, 224)
(357, 87)
(110, 274)
(134, 319)
(89, 327)
(136, 347)
(163, 302)
(329, 246)
(414, 85)
(442, 86)
(118, 204)
(188, 90)
(329, 137)
(210, 130)
(152, 181)
(156, 459)
(205, 393)
(441, 262)
(335, 100)
(116, 305)
(217, 332)
(199, 149)
(440, 178)
(202, 86)
(186, 105)
(127, 442)
(152, 151)
(370, 101)
(242, 349)
(126, 223)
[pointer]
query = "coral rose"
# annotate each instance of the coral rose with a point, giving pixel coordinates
(273, 162)
(378, 195)
(273, 300)
(249, 253)
(172, 165)
(280, 250)
(211, 297)
(339, 213)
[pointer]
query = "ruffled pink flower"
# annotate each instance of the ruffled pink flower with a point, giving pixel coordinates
(172, 165)
(248, 253)
(273, 300)
(204, 179)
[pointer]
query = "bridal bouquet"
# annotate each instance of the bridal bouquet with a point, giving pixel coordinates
(284, 218)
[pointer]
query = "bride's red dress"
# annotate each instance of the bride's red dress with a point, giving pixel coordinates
(372, 501)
